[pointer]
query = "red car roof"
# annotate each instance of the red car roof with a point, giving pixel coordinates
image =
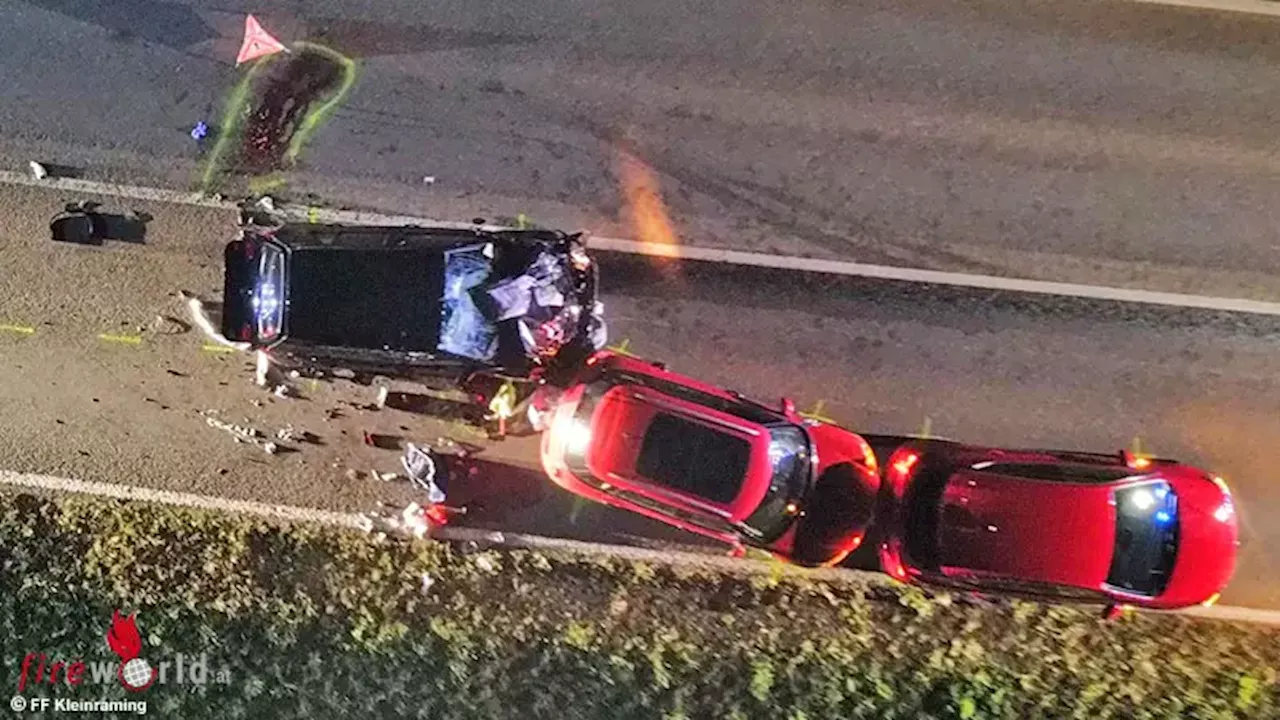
(1042, 531)
(627, 413)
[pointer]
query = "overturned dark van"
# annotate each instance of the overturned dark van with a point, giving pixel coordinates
(412, 301)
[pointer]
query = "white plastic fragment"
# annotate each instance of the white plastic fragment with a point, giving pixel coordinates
(484, 563)
(266, 203)
(271, 448)
(387, 477)
(238, 432)
(282, 391)
(366, 523)
(37, 170)
(428, 179)
(262, 367)
(427, 582)
(415, 520)
(383, 393)
(195, 308)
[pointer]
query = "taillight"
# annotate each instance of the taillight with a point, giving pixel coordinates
(869, 456)
(902, 463)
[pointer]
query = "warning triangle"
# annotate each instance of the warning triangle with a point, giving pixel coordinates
(257, 42)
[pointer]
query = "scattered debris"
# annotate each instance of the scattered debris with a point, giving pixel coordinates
(387, 477)
(294, 374)
(266, 203)
(383, 392)
(496, 538)
(262, 367)
(200, 131)
(271, 448)
(428, 179)
(37, 170)
(166, 325)
(282, 391)
(201, 319)
(240, 433)
(424, 472)
(287, 434)
(353, 475)
(366, 523)
(416, 521)
(382, 442)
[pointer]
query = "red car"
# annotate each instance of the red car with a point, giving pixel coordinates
(1059, 526)
(630, 434)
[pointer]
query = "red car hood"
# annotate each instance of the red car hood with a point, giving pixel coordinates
(1032, 530)
(1207, 545)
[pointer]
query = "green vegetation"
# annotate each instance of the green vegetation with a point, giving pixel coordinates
(315, 622)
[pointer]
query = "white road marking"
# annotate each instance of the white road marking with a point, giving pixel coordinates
(49, 483)
(304, 213)
(1256, 7)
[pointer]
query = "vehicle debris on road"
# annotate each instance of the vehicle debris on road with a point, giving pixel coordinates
(166, 325)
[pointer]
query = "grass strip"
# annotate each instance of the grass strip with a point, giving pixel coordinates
(321, 622)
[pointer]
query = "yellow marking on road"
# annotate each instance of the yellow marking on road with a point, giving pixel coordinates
(216, 348)
(18, 329)
(266, 183)
(122, 339)
(816, 413)
(926, 430)
(623, 348)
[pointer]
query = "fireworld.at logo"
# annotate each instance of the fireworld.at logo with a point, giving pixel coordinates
(132, 671)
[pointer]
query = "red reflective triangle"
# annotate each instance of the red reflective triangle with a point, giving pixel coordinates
(257, 42)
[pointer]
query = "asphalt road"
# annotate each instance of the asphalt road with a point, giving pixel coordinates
(1093, 141)
(983, 368)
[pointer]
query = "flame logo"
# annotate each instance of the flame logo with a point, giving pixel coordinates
(123, 637)
(135, 674)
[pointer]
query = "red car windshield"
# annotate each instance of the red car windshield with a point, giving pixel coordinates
(1146, 538)
(792, 473)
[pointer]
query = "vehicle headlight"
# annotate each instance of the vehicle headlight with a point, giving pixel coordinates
(577, 437)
